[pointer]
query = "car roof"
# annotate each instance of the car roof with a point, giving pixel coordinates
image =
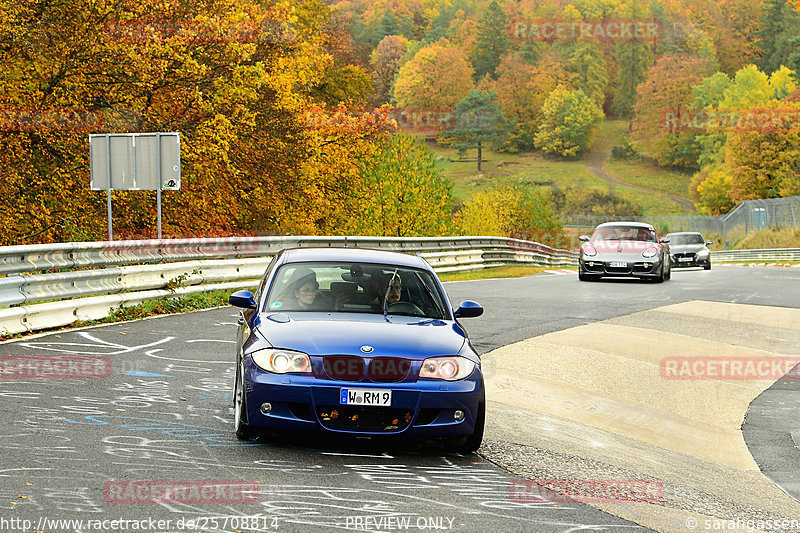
(685, 233)
(626, 224)
(354, 255)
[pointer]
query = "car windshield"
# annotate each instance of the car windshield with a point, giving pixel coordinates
(624, 233)
(355, 288)
(689, 238)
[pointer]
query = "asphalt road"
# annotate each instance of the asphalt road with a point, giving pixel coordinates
(72, 448)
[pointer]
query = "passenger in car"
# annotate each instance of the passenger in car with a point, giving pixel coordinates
(305, 294)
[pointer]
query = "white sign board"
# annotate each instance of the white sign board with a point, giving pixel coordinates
(135, 161)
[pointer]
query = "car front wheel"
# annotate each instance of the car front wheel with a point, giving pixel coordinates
(243, 429)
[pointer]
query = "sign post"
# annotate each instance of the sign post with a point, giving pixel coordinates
(135, 162)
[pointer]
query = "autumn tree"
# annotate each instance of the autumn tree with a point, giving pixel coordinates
(779, 24)
(234, 80)
(479, 121)
(438, 76)
(634, 59)
(508, 209)
(492, 41)
(590, 71)
(386, 61)
(583, 201)
(667, 91)
(521, 92)
(400, 192)
(570, 119)
(715, 193)
(763, 155)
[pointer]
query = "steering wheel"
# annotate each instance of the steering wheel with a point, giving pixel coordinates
(406, 308)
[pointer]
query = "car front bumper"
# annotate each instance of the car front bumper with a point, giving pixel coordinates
(302, 402)
(634, 267)
(695, 261)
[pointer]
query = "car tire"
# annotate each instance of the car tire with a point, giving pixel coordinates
(662, 276)
(707, 267)
(668, 274)
(585, 277)
(242, 428)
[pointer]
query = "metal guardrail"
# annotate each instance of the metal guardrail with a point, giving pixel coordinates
(97, 277)
(772, 254)
(75, 255)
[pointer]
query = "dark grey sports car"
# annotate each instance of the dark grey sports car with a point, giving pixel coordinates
(628, 249)
(690, 249)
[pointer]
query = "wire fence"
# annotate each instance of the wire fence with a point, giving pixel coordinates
(748, 216)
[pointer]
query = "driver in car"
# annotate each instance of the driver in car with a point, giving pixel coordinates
(380, 285)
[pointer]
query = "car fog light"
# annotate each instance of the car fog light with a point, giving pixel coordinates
(458, 415)
(647, 265)
(266, 408)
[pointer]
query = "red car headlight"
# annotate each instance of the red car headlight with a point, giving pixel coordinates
(589, 250)
(650, 252)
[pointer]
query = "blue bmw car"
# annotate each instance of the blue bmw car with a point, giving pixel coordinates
(356, 342)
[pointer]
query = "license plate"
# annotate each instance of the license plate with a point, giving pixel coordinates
(381, 398)
(615, 264)
(684, 259)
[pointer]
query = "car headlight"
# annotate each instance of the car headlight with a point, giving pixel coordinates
(589, 250)
(703, 253)
(447, 368)
(650, 252)
(282, 361)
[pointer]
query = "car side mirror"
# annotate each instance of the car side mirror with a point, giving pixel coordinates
(709, 243)
(583, 238)
(242, 299)
(663, 241)
(468, 309)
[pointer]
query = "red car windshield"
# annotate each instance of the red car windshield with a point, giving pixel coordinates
(624, 233)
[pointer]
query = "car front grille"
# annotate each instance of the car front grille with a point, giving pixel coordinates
(369, 418)
(355, 368)
(344, 367)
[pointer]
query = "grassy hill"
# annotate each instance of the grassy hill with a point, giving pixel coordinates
(663, 188)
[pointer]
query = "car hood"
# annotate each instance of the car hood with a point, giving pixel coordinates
(623, 247)
(319, 334)
(684, 248)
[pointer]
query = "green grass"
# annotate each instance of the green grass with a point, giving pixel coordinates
(494, 272)
(525, 168)
(180, 304)
(535, 169)
(770, 238)
(611, 133)
(646, 173)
